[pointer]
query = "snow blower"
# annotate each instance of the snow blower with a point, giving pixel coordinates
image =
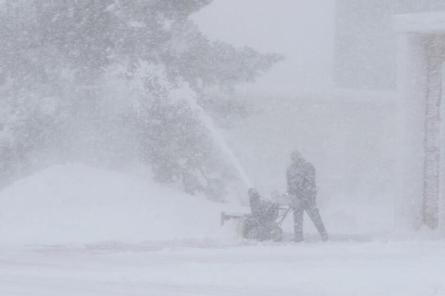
(263, 222)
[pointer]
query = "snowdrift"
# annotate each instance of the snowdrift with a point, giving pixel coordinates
(80, 204)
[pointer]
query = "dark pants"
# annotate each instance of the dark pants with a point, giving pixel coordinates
(314, 214)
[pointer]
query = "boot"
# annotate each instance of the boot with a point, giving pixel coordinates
(298, 237)
(324, 236)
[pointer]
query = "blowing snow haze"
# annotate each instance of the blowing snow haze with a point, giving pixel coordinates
(303, 31)
(222, 147)
(119, 83)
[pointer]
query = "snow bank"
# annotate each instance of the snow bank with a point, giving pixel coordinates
(79, 204)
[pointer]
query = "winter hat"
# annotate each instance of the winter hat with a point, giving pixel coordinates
(296, 156)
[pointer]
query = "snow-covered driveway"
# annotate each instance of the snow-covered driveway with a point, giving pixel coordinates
(336, 268)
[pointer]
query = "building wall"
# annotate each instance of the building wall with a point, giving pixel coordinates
(365, 44)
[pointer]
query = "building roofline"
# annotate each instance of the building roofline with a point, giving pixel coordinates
(427, 23)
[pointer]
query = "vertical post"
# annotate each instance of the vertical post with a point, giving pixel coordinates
(412, 86)
(442, 155)
(430, 205)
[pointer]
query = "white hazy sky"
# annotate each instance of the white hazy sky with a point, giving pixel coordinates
(302, 30)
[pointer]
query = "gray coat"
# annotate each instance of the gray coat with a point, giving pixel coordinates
(301, 184)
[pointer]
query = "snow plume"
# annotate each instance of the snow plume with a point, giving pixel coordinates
(179, 101)
(219, 139)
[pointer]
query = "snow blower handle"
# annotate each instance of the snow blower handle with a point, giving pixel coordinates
(226, 217)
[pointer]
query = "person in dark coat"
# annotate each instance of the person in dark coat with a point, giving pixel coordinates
(302, 190)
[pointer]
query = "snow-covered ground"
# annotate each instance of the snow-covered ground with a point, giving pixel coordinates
(77, 204)
(76, 230)
(310, 269)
